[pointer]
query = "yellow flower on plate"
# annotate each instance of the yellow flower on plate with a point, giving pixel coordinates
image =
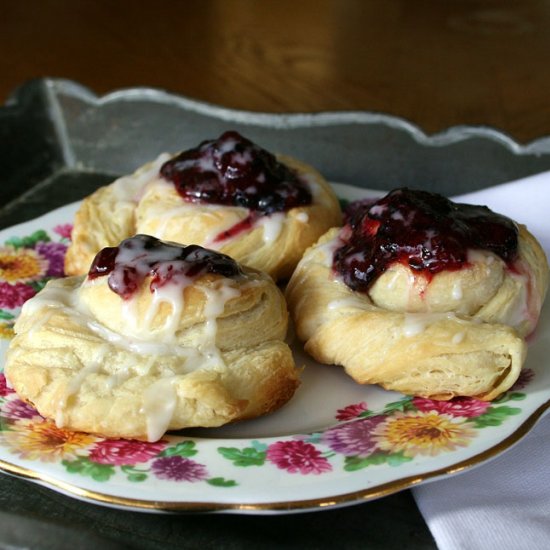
(21, 264)
(424, 433)
(45, 441)
(6, 331)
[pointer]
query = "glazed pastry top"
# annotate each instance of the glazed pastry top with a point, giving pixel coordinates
(421, 296)
(156, 337)
(136, 258)
(419, 252)
(234, 171)
(226, 194)
(421, 230)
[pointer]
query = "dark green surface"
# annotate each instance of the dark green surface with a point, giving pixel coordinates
(63, 187)
(36, 517)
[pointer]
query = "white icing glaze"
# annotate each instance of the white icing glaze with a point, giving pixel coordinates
(350, 301)
(393, 280)
(159, 403)
(456, 291)
(223, 223)
(142, 328)
(327, 250)
(458, 338)
(314, 188)
(75, 383)
(302, 217)
(416, 323)
(483, 257)
(272, 226)
(130, 188)
(518, 310)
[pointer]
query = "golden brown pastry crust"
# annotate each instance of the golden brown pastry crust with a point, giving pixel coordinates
(146, 203)
(432, 348)
(74, 359)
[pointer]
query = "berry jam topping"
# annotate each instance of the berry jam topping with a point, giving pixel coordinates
(166, 263)
(234, 171)
(424, 231)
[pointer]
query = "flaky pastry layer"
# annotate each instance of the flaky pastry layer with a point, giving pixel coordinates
(423, 338)
(146, 203)
(74, 357)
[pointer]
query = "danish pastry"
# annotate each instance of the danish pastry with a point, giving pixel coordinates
(422, 296)
(226, 194)
(156, 337)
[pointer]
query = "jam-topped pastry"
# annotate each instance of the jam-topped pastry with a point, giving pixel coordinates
(424, 231)
(156, 337)
(136, 258)
(227, 194)
(422, 295)
(236, 172)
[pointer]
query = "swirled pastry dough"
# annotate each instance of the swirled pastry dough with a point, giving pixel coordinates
(259, 232)
(459, 332)
(169, 352)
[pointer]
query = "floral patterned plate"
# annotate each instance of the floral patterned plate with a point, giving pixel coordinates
(335, 443)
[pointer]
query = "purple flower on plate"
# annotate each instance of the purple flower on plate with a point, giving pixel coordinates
(524, 378)
(178, 468)
(18, 410)
(354, 438)
(55, 254)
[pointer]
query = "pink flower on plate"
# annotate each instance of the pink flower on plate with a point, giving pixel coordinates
(15, 295)
(467, 407)
(64, 230)
(4, 388)
(351, 411)
(124, 452)
(298, 457)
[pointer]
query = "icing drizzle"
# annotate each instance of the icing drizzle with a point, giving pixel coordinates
(136, 258)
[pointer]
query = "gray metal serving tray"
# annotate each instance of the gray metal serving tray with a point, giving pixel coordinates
(59, 141)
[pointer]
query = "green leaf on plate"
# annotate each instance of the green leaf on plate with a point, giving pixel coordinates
(512, 396)
(83, 466)
(396, 459)
(354, 463)
(221, 482)
(494, 416)
(29, 241)
(133, 474)
(183, 448)
(243, 457)
(259, 446)
(404, 404)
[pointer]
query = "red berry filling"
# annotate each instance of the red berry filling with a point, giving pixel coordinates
(141, 256)
(234, 171)
(424, 231)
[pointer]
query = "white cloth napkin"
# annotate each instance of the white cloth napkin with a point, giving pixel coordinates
(505, 503)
